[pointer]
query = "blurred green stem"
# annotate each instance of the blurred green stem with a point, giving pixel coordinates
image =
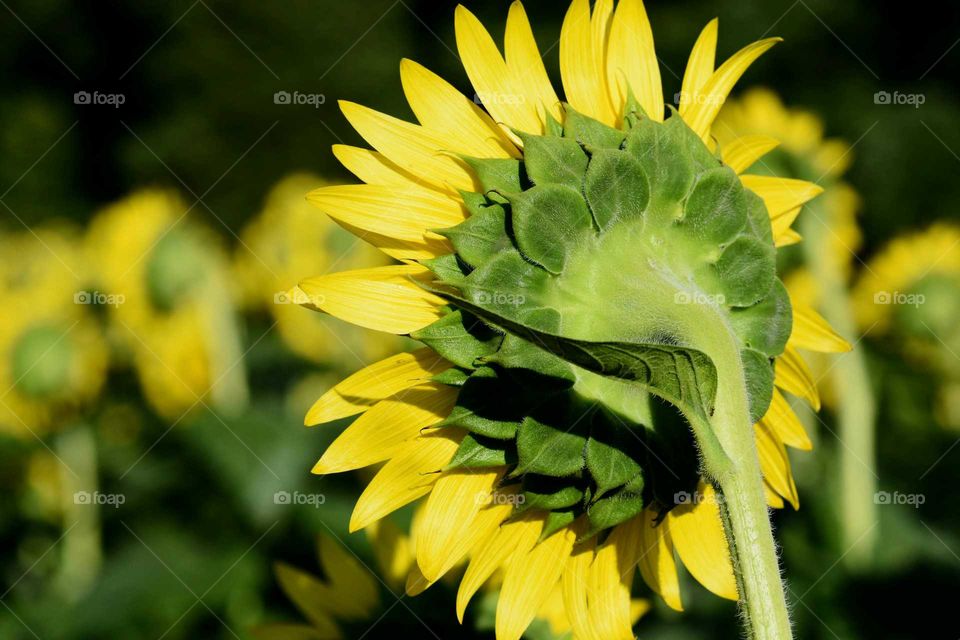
(81, 554)
(856, 410)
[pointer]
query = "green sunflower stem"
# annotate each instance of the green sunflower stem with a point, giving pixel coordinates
(732, 463)
(856, 410)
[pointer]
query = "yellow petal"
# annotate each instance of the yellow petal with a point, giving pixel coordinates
(639, 608)
(490, 77)
(443, 110)
(409, 475)
(381, 298)
(517, 536)
(402, 213)
(781, 195)
(416, 583)
(811, 331)
(782, 223)
(391, 548)
(784, 422)
(381, 431)
(787, 238)
(740, 154)
(773, 498)
(420, 151)
(610, 578)
(575, 587)
(376, 382)
(657, 564)
(632, 60)
(315, 599)
(455, 519)
(792, 374)
(526, 66)
(584, 73)
(701, 115)
(775, 464)
(554, 613)
(700, 66)
(529, 579)
(348, 575)
(701, 543)
(374, 168)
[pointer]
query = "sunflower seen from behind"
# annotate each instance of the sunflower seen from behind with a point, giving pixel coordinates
(590, 278)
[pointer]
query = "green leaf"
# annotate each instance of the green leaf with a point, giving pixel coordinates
(496, 174)
(609, 512)
(507, 285)
(703, 159)
(447, 268)
(747, 269)
(548, 222)
(548, 494)
(683, 376)
(716, 209)
(765, 326)
(454, 377)
(481, 236)
(555, 451)
(589, 132)
(517, 353)
(758, 219)
(758, 372)
(477, 452)
(553, 161)
(668, 166)
(616, 187)
(608, 454)
(460, 338)
(557, 520)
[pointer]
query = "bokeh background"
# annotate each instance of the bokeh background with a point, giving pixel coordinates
(154, 376)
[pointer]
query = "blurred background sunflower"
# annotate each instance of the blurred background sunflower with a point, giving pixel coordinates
(154, 375)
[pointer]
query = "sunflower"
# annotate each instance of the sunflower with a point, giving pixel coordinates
(596, 290)
(53, 357)
(908, 294)
(286, 240)
(171, 310)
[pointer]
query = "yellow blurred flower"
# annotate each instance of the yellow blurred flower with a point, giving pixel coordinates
(803, 153)
(349, 592)
(53, 358)
(909, 294)
(290, 238)
(167, 285)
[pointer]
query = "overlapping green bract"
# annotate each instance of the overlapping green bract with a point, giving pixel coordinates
(576, 291)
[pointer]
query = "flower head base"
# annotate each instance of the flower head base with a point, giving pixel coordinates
(645, 225)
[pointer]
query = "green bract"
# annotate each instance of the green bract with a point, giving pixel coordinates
(590, 288)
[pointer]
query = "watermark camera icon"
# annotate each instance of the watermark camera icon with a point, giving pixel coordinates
(298, 498)
(99, 98)
(295, 296)
(95, 497)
